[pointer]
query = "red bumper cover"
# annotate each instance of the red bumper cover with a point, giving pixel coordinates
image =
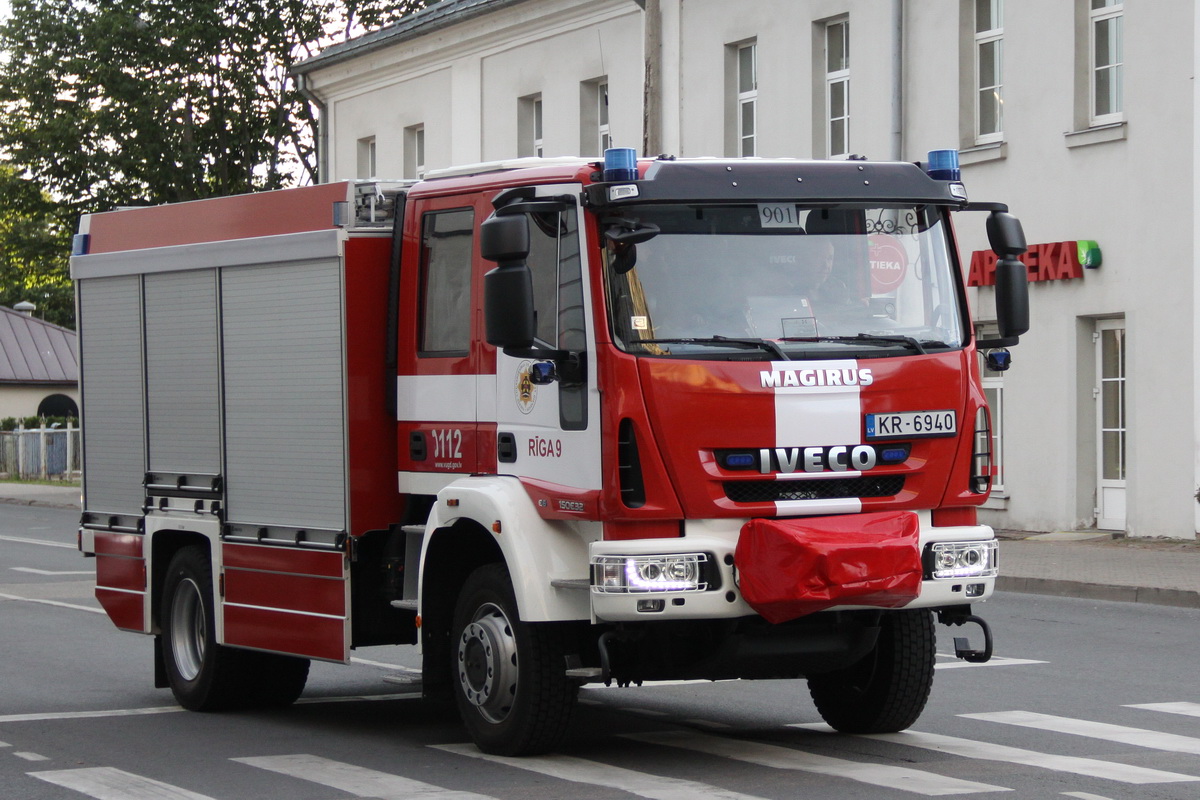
(791, 567)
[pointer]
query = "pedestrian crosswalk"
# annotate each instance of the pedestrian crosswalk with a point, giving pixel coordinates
(648, 764)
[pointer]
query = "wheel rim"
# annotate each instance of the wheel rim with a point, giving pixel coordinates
(189, 629)
(487, 663)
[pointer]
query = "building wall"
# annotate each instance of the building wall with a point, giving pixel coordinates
(464, 85)
(23, 401)
(1131, 187)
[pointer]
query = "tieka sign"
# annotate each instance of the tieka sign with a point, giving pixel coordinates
(1056, 261)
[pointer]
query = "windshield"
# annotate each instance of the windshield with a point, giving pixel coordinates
(781, 281)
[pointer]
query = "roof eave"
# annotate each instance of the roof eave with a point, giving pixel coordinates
(428, 20)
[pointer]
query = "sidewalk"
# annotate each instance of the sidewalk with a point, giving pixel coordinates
(1099, 567)
(36, 494)
(1067, 564)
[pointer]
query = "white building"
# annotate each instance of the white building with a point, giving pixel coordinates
(1080, 114)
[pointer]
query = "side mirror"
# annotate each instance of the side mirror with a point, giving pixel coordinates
(508, 289)
(1005, 234)
(1012, 297)
(508, 306)
(504, 239)
(631, 232)
(1007, 238)
(623, 238)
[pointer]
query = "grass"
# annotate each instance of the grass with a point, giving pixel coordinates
(39, 482)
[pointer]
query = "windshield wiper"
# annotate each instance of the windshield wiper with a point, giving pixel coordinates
(724, 341)
(870, 338)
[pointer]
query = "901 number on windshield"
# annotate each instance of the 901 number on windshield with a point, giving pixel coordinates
(778, 215)
(912, 424)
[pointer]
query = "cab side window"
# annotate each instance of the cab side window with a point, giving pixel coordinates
(557, 282)
(446, 241)
(554, 259)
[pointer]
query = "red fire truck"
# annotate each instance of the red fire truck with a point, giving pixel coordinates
(554, 421)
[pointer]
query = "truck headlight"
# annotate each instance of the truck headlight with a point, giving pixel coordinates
(683, 572)
(951, 560)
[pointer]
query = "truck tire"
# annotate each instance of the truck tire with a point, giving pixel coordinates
(206, 676)
(509, 677)
(885, 691)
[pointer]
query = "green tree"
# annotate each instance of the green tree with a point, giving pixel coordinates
(35, 236)
(107, 103)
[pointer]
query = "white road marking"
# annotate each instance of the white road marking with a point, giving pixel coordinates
(57, 715)
(31, 756)
(969, 748)
(33, 571)
(706, 723)
(42, 542)
(767, 755)
(995, 661)
(1086, 796)
(579, 770)
(368, 663)
(650, 684)
(358, 781)
(108, 783)
(1139, 737)
(1187, 709)
(137, 712)
(5, 596)
(359, 697)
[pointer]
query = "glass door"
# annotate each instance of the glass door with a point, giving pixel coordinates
(1110, 419)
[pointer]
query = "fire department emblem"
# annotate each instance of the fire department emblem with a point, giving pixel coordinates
(526, 388)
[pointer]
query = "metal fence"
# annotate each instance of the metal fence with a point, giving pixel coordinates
(41, 453)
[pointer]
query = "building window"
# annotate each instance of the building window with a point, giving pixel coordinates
(538, 150)
(366, 158)
(993, 391)
(1107, 48)
(602, 114)
(529, 126)
(414, 152)
(594, 134)
(989, 71)
(837, 87)
(747, 99)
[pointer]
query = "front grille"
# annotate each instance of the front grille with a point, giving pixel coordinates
(827, 489)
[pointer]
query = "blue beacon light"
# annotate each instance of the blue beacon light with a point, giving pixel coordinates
(943, 165)
(620, 164)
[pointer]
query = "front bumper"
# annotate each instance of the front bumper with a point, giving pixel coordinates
(721, 598)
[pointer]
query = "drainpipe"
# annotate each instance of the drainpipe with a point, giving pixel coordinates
(652, 89)
(897, 143)
(322, 175)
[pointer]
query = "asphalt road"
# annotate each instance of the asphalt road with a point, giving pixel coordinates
(1086, 699)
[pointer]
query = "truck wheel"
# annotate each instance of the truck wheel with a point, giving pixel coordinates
(203, 675)
(275, 680)
(206, 676)
(887, 690)
(509, 676)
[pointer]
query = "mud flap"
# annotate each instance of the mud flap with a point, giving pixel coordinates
(788, 568)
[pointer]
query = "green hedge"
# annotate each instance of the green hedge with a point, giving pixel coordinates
(12, 423)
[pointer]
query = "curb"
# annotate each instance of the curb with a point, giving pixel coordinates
(1180, 598)
(14, 501)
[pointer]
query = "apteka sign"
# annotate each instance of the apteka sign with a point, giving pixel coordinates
(1056, 261)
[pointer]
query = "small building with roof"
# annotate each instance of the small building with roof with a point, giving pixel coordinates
(39, 366)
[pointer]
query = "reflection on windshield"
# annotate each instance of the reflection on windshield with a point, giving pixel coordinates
(811, 281)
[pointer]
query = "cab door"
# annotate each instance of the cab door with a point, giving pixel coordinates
(548, 432)
(440, 361)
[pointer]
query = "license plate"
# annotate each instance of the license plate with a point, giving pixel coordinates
(912, 424)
